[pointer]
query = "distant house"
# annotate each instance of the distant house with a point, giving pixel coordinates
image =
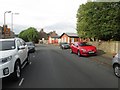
(43, 35)
(53, 38)
(69, 37)
(1, 36)
(7, 33)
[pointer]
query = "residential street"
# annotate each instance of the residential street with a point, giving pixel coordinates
(52, 67)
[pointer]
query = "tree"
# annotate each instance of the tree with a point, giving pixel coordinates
(100, 20)
(30, 34)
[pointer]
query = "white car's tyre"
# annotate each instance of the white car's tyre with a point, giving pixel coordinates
(17, 71)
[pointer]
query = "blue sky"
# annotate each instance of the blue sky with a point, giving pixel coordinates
(52, 15)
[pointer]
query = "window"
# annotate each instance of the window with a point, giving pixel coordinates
(7, 45)
(84, 44)
(72, 40)
(76, 44)
(22, 42)
(19, 43)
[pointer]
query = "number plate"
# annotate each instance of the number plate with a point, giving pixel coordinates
(91, 52)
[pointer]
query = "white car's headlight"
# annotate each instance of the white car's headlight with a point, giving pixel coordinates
(4, 60)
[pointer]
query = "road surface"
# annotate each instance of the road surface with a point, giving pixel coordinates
(51, 67)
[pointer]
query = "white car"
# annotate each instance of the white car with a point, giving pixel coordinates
(116, 64)
(13, 54)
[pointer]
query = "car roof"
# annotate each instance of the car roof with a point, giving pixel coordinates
(9, 39)
(63, 42)
(79, 42)
(29, 42)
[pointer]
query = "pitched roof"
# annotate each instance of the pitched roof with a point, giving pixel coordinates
(74, 35)
(55, 36)
(52, 34)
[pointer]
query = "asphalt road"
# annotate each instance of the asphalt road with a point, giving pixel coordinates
(52, 67)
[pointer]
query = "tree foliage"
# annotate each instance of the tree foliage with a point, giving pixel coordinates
(100, 20)
(30, 34)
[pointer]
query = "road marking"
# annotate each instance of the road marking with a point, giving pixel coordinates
(21, 82)
(24, 65)
(33, 55)
(30, 63)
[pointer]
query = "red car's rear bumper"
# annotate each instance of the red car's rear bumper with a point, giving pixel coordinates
(88, 54)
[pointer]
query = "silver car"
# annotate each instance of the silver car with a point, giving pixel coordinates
(31, 47)
(116, 64)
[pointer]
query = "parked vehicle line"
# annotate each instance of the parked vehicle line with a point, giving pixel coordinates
(21, 82)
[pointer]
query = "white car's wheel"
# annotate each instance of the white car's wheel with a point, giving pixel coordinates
(117, 70)
(17, 71)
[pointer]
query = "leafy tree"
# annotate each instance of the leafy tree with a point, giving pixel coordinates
(23, 35)
(100, 20)
(30, 34)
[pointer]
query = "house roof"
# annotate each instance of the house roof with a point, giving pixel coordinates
(55, 37)
(52, 34)
(72, 35)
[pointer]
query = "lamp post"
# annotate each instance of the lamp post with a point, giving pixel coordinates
(12, 20)
(5, 26)
(4, 16)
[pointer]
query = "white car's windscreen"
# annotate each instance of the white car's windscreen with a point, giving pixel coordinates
(7, 45)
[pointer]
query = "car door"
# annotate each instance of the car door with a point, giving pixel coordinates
(25, 51)
(20, 52)
(72, 47)
(76, 47)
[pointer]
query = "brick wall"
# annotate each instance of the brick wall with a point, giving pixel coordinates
(110, 46)
(63, 38)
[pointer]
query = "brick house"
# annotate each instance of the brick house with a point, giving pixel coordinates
(53, 38)
(7, 33)
(70, 37)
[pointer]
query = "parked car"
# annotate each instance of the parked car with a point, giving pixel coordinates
(64, 45)
(31, 47)
(116, 64)
(13, 54)
(83, 49)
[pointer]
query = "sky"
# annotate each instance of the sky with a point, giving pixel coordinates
(51, 15)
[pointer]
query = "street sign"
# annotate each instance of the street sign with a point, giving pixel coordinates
(6, 30)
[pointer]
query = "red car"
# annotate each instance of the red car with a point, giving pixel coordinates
(83, 49)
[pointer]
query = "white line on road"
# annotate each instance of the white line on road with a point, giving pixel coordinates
(21, 82)
(30, 63)
(24, 65)
(33, 55)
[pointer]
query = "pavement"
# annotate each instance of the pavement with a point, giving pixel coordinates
(106, 57)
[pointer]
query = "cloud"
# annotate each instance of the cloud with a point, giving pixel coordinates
(18, 28)
(61, 27)
(58, 15)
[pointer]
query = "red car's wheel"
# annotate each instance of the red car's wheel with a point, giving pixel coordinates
(71, 51)
(79, 53)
